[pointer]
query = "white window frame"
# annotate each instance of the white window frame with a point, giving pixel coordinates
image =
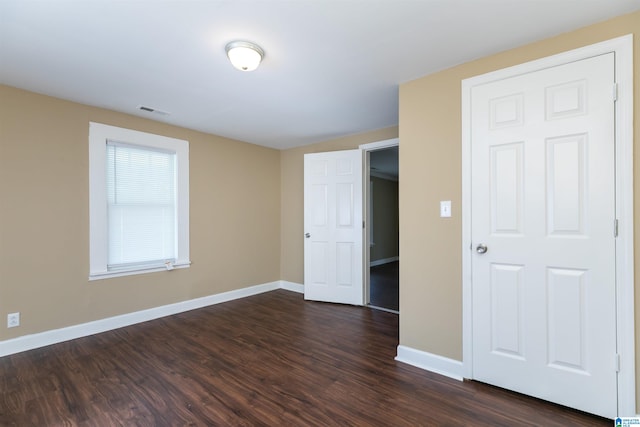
(99, 134)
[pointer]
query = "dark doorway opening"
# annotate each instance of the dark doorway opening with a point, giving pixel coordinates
(383, 216)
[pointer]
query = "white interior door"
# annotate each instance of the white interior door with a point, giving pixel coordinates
(333, 257)
(543, 206)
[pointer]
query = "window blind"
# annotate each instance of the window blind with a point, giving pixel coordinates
(141, 211)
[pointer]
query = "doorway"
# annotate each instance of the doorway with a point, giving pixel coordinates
(383, 291)
(339, 222)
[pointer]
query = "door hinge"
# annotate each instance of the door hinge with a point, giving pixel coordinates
(617, 363)
(615, 228)
(615, 92)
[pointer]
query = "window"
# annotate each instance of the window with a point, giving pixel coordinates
(139, 202)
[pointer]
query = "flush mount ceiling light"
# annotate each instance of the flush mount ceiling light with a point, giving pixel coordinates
(245, 56)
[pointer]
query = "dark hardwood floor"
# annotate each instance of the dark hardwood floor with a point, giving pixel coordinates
(267, 360)
(384, 285)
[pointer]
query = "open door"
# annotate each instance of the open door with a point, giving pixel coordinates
(333, 227)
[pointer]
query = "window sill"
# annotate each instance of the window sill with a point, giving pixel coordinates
(150, 269)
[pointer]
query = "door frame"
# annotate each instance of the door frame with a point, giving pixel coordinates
(624, 268)
(366, 150)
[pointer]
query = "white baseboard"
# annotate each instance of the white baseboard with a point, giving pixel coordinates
(291, 286)
(430, 362)
(29, 342)
(384, 261)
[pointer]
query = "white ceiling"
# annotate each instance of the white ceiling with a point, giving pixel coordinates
(332, 68)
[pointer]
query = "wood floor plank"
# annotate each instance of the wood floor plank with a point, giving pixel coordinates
(267, 360)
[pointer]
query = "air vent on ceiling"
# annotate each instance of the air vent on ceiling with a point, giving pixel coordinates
(153, 110)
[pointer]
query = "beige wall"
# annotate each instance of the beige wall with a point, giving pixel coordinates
(385, 219)
(44, 217)
(430, 163)
(292, 202)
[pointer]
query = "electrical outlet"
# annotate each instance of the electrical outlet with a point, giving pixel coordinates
(13, 320)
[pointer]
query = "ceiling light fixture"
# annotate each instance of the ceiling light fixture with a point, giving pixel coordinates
(245, 56)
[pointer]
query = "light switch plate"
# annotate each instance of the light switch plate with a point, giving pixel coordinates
(445, 208)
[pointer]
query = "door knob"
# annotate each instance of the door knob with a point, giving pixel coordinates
(481, 248)
(307, 235)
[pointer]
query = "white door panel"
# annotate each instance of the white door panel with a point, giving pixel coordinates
(543, 202)
(333, 227)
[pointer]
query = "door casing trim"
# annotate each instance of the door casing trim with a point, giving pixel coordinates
(625, 339)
